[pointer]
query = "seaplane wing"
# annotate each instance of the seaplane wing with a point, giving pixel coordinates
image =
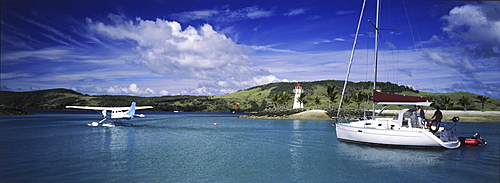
(100, 108)
(143, 107)
(110, 108)
(116, 113)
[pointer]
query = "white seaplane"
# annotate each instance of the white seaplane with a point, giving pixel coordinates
(115, 113)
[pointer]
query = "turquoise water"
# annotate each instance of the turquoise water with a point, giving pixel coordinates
(188, 147)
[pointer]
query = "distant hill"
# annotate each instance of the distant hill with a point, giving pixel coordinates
(59, 98)
(250, 100)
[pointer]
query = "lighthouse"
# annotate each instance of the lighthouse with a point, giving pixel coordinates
(297, 91)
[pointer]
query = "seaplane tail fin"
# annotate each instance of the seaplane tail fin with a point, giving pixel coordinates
(131, 111)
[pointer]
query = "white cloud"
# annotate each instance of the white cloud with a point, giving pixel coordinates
(196, 15)
(477, 24)
(163, 47)
(344, 12)
(390, 45)
(163, 92)
(166, 49)
(470, 23)
(14, 75)
(297, 11)
(224, 15)
(269, 48)
(132, 89)
(339, 39)
(471, 52)
(230, 86)
(53, 53)
(255, 12)
(52, 33)
(325, 41)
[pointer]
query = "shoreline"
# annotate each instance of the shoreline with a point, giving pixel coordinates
(465, 116)
(313, 114)
(11, 111)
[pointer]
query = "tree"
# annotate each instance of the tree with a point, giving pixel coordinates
(305, 101)
(263, 105)
(330, 89)
(447, 102)
(275, 100)
(285, 97)
(317, 101)
(359, 98)
(369, 96)
(332, 97)
(483, 100)
(331, 94)
(346, 101)
(464, 101)
(255, 106)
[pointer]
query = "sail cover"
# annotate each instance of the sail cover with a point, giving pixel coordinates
(395, 99)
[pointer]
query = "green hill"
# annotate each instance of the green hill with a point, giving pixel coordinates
(250, 100)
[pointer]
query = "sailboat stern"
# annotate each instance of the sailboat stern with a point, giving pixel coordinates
(446, 138)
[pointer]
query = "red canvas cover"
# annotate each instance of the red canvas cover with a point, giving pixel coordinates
(389, 97)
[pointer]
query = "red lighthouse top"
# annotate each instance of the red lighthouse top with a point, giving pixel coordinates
(298, 84)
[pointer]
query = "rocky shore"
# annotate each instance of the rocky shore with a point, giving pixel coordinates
(8, 110)
(290, 114)
(304, 114)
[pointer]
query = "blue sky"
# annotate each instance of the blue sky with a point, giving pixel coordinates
(165, 47)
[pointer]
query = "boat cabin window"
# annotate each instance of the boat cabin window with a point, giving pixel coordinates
(408, 114)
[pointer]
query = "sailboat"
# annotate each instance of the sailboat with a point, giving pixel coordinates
(404, 129)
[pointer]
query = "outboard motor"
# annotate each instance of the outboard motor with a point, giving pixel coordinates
(479, 139)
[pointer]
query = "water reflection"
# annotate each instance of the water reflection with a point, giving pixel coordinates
(115, 139)
(387, 156)
(295, 149)
(118, 145)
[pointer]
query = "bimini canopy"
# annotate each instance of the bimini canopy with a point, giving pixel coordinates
(395, 99)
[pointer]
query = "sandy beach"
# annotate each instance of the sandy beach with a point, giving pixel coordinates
(311, 115)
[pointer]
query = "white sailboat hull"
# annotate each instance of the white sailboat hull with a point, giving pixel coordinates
(413, 137)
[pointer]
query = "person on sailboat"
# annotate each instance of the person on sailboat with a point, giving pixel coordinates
(415, 113)
(412, 116)
(438, 115)
(420, 112)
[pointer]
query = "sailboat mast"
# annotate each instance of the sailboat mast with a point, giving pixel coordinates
(377, 31)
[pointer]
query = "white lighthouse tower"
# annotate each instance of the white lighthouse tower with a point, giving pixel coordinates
(297, 91)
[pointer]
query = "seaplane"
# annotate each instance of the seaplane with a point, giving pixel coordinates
(114, 113)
